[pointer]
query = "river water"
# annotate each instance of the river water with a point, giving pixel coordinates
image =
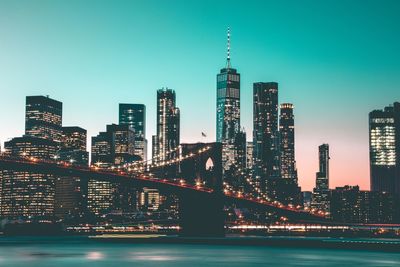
(80, 252)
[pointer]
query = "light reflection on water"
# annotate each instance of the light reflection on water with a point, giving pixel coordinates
(105, 254)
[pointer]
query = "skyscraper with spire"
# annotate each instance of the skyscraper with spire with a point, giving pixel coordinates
(228, 109)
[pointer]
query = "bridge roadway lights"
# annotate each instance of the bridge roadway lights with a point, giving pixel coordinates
(201, 215)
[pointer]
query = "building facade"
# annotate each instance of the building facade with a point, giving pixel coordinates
(71, 192)
(168, 126)
(321, 192)
(351, 205)
(287, 142)
(27, 194)
(135, 116)
(112, 148)
(43, 118)
(228, 110)
(73, 146)
(265, 133)
(384, 149)
(149, 199)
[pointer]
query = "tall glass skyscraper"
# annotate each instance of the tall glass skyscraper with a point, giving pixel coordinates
(287, 145)
(321, 191)
(228, 109)
(168, 125)
(265, 133)
(135, 116)
(384, 149)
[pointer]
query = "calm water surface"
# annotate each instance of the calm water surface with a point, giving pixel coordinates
(83, 253)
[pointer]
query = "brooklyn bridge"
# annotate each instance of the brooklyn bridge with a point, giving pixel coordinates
(194, 174)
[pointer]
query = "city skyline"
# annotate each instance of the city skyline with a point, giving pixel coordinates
(312, 127)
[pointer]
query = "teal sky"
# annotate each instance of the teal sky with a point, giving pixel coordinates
(335, 60)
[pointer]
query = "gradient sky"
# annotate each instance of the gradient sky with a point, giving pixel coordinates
(335, 60)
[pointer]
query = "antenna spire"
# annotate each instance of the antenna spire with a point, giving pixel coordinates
(228, 54)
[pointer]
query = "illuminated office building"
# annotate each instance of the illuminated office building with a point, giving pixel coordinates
(149, 199)
(43, 118)
(27, 194)
(384, 149)
(349, 204)
(168, 126)
(249, 155)
(135, 116)
(265, 134)
(287, 145)
(73, 146)
(115, 147)
(321, 192)
(71, 192)
(228, 110)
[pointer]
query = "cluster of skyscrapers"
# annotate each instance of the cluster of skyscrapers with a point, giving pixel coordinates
(380, 204)
(269, 160)
(264, 167)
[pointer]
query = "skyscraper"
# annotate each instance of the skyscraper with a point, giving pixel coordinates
(384, 149)
(287, 147)
(135, 116)
(321, 191)
(73, 146)
(265, 133)
(228, 109)
(122, 139)
(168, 125)
(43, 117)
(101, 150)
(116, 146)
(71, 192)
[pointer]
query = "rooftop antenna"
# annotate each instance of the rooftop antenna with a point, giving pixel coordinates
(228, 55)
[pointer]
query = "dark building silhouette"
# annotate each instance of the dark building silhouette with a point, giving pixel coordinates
(43, 117)
(168, 126)
(235, 175)
(351, 205)
(321, 191)
(135, 116)
(287, 143)
(265, 133)
(228, 110)
(384, 149)
(307, 198)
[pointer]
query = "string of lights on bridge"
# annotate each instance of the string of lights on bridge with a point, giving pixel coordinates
(131, 168)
